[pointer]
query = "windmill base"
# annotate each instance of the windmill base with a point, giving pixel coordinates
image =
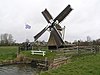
(52, 47)
(55, 47)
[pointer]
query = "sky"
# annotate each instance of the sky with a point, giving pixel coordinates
(83, 21)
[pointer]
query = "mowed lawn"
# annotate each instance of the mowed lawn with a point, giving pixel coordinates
(8, 52)
(80, 65)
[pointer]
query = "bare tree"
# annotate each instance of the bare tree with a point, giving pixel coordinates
(88, 38)
(6, 39)
(1, 39)
(10, 39)
(27, 40)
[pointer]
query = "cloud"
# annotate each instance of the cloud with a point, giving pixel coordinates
(82, 21)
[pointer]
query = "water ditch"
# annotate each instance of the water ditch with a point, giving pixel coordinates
(18, 69)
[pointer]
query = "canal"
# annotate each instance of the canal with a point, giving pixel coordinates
(20, 69)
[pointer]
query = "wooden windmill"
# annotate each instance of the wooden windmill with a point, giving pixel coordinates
(55, 40)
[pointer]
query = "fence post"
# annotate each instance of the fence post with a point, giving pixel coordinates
(78, 51)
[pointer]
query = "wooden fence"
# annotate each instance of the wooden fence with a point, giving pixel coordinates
(82, 50)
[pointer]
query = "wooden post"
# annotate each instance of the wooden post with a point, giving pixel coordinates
(18, 51)
(78, 47)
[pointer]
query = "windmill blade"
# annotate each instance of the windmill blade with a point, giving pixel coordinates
(58, 36)
(47, 15)
(40, 33)
(63, 14)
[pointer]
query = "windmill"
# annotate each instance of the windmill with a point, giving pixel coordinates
(55, 40)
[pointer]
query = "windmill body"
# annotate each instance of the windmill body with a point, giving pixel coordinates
(55, 40)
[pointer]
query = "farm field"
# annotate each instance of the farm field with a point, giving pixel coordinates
(8, 52)
(79, 65)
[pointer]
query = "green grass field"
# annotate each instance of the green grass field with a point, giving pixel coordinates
(80, 65)
(50, 55)
(7, 52)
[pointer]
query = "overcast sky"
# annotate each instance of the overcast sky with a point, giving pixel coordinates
(83, 21)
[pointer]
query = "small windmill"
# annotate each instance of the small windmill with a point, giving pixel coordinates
(56, 38)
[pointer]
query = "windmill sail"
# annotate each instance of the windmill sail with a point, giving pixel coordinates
(63, 14)
(47, 15)
(40, 33)
(57, 35)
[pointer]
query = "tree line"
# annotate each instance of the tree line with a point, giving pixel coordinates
(87, 43)
(6, 39)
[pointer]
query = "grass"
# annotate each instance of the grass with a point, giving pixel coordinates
(80, 65)
(50, 55)
(7, 52)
